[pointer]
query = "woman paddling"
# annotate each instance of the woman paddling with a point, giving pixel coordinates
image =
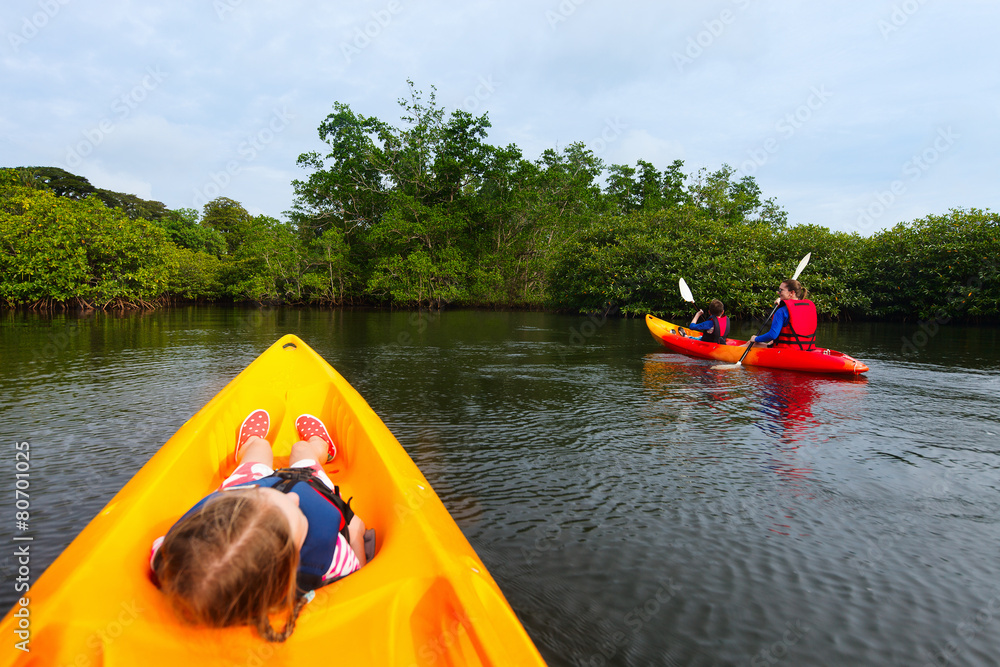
(794, 323)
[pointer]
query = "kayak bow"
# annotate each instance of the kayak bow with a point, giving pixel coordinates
(426, 597)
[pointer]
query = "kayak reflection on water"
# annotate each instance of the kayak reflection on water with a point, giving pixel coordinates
(787, 400)
(791, 409)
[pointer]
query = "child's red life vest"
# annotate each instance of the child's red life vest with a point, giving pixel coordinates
(800, 330)
(720, 329)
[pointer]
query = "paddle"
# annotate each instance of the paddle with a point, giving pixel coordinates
(798, 271)
(685, 292)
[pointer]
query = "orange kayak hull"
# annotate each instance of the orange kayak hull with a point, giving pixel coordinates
(685, 341)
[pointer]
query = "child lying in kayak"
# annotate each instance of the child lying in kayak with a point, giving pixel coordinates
(265, 539)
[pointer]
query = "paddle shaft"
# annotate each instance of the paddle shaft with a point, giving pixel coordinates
(759, 332)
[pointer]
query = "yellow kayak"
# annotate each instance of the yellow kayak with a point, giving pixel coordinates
(426, 598)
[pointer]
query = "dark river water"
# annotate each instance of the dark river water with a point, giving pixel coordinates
(636, 507)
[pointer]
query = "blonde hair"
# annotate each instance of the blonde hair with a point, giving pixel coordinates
(232, 562)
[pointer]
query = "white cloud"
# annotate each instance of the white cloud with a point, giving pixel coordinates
(558, 73)
(100, 177)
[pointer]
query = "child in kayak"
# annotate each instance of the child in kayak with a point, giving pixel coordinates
(716, 327)
(265, 539)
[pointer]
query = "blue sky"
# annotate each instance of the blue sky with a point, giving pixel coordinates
(854, 115)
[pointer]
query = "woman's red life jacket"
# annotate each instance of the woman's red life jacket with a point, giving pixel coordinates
(800, 330)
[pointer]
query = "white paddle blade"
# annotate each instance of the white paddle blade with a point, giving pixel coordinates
(802, 266)
(685, 291)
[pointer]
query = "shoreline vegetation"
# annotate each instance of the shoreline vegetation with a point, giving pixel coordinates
(428, 214)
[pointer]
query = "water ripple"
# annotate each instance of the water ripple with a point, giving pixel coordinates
(636, 507)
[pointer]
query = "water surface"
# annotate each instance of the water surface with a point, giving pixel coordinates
(636, 507)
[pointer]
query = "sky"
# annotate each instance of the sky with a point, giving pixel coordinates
(855, 115)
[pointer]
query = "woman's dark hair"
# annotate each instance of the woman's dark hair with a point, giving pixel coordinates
(796, 288)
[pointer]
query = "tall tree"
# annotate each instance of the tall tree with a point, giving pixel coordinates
(721, 198)
(622, 190)
(228, 218)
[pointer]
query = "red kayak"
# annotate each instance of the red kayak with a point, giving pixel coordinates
(686, 341)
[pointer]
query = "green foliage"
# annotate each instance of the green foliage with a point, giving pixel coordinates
(194, 274)
(429, 213)
(186, 231)
(56, 249)
(832, 274)
(420, 278)
(421, 210)
(55, 180)
(64, 184)
(330, 274)
(134, 207)
(718, 197)
(937, 267)
(266, 265)
(634, 262)
(229, 221)
(941, 266)
(339, 203)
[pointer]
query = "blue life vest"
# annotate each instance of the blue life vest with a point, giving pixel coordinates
(328, 516)
(327, 513)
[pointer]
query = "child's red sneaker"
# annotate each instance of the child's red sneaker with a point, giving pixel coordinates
(308, 426)
(257, 423)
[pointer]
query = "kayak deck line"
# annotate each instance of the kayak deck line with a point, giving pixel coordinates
(685, 341)
(426, 597)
